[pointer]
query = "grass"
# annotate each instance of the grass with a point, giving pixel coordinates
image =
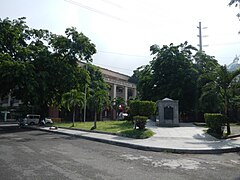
(122, 128)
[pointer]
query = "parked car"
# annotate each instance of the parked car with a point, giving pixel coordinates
(33, 119)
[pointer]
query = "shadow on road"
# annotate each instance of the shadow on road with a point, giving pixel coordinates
(11, 128)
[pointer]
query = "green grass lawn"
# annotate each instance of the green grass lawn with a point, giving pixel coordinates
(123, 128)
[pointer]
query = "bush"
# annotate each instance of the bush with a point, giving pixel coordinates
(140, 121)
(215, 122)
(138, 134)
(142, 108)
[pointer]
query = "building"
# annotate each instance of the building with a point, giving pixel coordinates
(118, 83)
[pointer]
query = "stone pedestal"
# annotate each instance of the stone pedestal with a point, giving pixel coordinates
(167, 112)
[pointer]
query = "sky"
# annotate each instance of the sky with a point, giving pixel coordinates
(124, 30)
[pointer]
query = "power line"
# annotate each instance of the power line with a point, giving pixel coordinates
(227, 43)
(93, 9)
(123, 54)
(113, 4)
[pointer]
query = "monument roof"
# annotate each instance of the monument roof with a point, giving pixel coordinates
(167, 99)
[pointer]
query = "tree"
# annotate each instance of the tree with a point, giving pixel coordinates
(237, 4)
(174, 75)
(101, 100)
(225, 80)
(221, 84)
(207, 100)
(43, 65)
(73, 47)
(143, 78)
(71, 100)
(14, 53)
(96, 87)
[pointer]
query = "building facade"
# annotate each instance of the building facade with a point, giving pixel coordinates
(119, 85)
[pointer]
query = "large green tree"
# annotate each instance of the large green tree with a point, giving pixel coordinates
(207, 100)
(174, 75)
(37, 66)
(14, 53)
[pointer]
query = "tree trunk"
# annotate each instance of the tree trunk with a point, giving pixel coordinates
(95, 120)
(74, 109)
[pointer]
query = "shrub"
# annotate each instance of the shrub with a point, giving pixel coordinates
(138, 134)
(140, 121)
(142, 108)
(215, 122)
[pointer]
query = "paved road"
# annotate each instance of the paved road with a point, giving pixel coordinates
(26, 154)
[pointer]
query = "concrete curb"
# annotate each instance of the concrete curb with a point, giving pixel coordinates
(148, 148)
(91, 131)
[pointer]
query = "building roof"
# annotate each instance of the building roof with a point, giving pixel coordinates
(111, 73)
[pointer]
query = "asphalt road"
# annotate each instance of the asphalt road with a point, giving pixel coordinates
(31, 154)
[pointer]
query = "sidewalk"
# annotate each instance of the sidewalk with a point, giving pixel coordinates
(184, 139)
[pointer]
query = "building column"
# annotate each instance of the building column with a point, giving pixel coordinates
(125, 94)
(114, 91)
(114, 98)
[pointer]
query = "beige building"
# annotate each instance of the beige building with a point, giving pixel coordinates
(120, 87)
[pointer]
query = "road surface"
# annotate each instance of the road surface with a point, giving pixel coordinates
(32, 154)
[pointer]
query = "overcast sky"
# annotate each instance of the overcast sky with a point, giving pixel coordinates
(124, 30)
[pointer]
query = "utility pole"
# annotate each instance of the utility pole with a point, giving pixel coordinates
(201, 36)
(197, 85)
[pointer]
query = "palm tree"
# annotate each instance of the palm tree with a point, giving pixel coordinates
(225, 80)
(221, 83)
(99, 100)
(72, 100)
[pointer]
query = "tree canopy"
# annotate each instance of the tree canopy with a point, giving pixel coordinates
(190, 76)
(38, 66)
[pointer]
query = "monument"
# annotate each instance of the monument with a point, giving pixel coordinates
(167, 112)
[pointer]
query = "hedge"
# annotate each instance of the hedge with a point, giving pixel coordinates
(215, 122)
(142, 108)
